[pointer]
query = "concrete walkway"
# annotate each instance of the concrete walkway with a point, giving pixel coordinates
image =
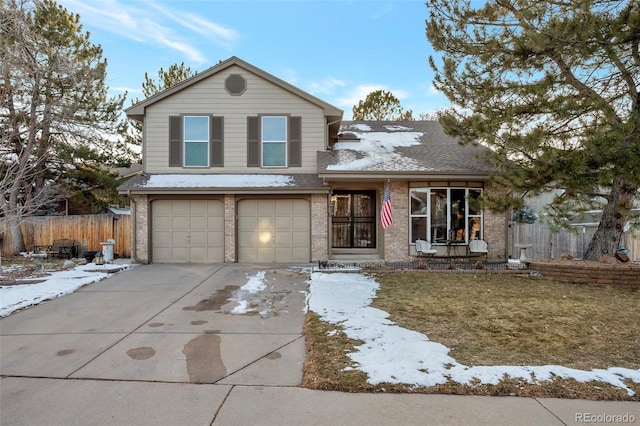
(157, 345)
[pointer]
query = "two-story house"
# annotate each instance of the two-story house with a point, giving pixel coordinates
(241, 166)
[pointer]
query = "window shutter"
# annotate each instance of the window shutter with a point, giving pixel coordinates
(253, 142)
(216, 150)
(175, 141)
(295, 141)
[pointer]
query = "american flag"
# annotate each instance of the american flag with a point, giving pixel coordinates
(386, 217)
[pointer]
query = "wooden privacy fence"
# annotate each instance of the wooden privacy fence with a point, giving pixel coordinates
(548, 243)
(89, 229)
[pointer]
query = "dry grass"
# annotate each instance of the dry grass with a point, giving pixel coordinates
(490, 319)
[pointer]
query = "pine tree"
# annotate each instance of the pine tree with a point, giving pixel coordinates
(552, 89)
(174, 75)
(380, 105)
(53, 101)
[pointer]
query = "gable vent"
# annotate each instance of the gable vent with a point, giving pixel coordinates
(235, 84)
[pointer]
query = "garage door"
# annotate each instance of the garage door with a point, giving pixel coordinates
(274, 231)
(187, 231)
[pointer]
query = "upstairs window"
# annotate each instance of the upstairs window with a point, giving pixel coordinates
(196, 141)
(274, 141)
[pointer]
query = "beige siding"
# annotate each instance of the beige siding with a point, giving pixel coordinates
(209, 96)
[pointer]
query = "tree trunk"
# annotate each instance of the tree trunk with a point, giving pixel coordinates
(614, 216)
(17, 242)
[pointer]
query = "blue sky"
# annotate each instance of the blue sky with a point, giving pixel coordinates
(337, 50)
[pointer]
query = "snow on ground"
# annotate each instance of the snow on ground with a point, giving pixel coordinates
(57, 284)
(389, 353)
(397, 355)
(254, 285)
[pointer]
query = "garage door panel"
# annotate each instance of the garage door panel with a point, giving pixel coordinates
(187, 231)
(301, 223)
(283, 222)
(213, 238)
(266, 231)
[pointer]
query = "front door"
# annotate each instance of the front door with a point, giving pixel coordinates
(353, 219)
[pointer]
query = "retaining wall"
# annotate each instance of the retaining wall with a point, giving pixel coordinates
(623, 275)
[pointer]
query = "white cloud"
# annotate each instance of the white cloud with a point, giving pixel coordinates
(326, 86)
(149, 23)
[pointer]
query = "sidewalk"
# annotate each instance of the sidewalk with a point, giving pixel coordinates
(157, 345)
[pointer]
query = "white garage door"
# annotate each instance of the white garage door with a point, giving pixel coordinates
(274, 231)
(187, 231)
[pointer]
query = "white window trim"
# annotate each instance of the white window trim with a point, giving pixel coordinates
(285, 141)
(427, 216)
(185, 141)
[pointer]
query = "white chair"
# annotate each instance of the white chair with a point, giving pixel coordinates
(423, 248)
(478, 247)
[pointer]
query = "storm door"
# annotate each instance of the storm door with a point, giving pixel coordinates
(353, 219)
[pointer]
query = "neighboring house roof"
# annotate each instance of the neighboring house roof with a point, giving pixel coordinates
(115, 210)
(223, 183)
(133, 169)
(404, 148)
(137, 111)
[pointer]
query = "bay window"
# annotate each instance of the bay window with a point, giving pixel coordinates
(445, 215)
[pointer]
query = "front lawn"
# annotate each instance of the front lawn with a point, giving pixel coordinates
(492, 319)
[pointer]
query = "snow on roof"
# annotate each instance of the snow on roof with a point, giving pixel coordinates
(375, 148)
(218, 181)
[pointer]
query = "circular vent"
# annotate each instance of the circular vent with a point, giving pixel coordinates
(235, 84)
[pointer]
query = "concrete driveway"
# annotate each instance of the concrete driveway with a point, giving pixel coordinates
(145, 340)
(157, 345)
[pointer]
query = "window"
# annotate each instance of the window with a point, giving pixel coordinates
(196, 141)
(274, 141)
(439, 215)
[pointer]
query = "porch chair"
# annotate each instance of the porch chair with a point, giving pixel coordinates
(478, 248)
(423, 248)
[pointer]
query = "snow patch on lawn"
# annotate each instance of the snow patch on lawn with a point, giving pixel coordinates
(397, 355)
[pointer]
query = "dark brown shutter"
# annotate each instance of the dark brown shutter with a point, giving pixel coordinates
(216, 150)
(175, 141)
(295, 141)
(253, 141)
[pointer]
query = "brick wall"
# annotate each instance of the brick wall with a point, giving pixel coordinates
(319, 228)
(495, 232)
(614, 275)
(229, 228)
(140, 231)
(396, 236)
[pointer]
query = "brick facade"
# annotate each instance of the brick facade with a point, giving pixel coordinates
(140, 232)
(394, 240)
(396, 236)
(319, 227)
(627, 276)
(229, 228)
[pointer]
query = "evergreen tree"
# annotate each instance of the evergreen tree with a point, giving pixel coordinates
(174, 75)
(552, 89)
(380, 105)
(54, 109)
